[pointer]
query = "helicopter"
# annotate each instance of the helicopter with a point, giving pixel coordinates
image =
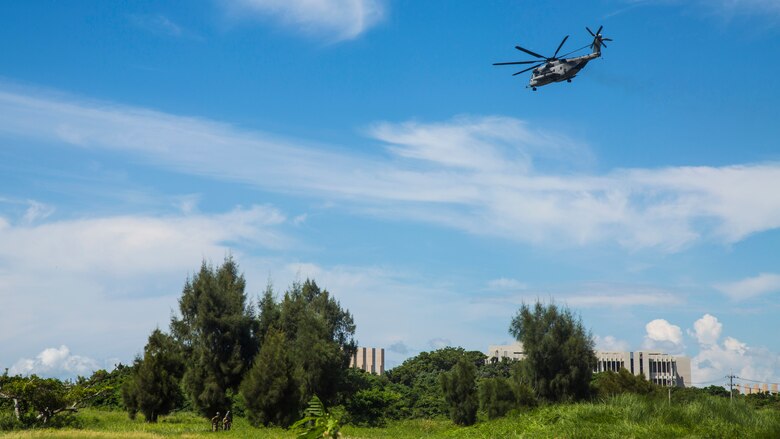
(553, 69)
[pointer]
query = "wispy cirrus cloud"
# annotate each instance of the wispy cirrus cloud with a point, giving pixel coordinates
(761, 284)
(157, 24)
(336, 19)
(725, 8)
(488, 175)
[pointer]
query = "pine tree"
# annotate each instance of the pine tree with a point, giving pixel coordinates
(559, 356)
(270, 391)
(460, 391)
(153, 387)
(217, 330)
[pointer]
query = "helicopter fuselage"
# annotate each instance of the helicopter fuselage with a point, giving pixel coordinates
(559, 70)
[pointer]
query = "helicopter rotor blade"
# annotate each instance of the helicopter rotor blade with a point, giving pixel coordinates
(602, 43)
(598, 32)
(530, 68)
(590, 31)
(559, 46)
(511, 63)
(530, 53)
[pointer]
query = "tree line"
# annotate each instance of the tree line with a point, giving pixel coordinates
(267, 360)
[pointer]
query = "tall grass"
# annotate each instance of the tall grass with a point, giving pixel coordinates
(625, 416)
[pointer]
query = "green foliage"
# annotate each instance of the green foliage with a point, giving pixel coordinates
(112, 382)
(320, 336)
(496, 397)
(522, 390)
(606, 384)
(269, 391)
(370, 399)
(417, 380)
(48, 402)
(559, 356)
(317, 422)
(496, 368)
(217, 333)
(716, 391)
(763, 400)
(460, 392)
(153, 388)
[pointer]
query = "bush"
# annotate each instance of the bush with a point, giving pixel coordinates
(606, 384)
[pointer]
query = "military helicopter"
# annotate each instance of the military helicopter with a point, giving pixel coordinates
(554, 69)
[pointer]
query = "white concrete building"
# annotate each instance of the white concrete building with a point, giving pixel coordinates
(369, 359)
(658, 368)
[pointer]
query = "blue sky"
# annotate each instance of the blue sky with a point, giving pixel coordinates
(372, 146)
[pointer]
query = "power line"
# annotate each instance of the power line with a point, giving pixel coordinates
(755, 381)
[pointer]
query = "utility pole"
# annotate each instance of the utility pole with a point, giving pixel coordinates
(731, 386)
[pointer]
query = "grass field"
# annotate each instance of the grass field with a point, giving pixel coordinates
(622, 417)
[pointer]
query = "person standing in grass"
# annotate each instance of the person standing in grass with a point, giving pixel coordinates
(216, 423)
(227, 422)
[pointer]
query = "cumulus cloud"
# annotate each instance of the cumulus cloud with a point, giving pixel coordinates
(55, 362)
(764, 283)
(707, 330)
(663, 336)
(337, 19)
(716, 360)
(489, 175)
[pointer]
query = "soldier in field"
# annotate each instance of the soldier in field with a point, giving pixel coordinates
(227, 422)
(216, 422)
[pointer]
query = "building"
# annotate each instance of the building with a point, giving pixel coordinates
(369, 359)
(658, 368)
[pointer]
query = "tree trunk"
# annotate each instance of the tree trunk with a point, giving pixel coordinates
(17, 409)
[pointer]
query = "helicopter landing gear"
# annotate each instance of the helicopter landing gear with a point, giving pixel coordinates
(568, 80)
(533, 88)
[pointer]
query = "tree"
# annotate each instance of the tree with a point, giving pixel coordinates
(369, 399)
(418, 380)
(320, 335)
(39, 400)
(217, 333)
(270, 392)
(153, 388)
(460, 392)
(559, 356)
(496, 397)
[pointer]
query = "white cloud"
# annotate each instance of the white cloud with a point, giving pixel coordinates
(726, 8)
(484, 175)
(714, 361)
(85, 278)
(610, 344)
(338, 19)
(37, 211)
(663, 336)
(764, 283)
(504, 284)
(158, 24)
(56, 362)
(707, 330)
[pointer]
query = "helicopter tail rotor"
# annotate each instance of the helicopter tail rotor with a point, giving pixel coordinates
(598, 39)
